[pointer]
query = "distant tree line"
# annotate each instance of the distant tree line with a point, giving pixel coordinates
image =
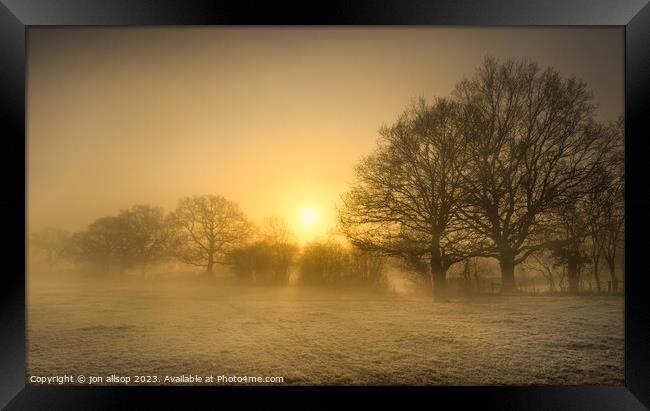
(513, 165)
(205, 231)
(201, 232)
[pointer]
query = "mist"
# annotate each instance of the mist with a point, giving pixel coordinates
(273, 118)
(326, 206)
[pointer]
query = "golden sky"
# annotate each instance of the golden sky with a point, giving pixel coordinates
(273, 118)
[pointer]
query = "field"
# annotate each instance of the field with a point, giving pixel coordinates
(326, 337)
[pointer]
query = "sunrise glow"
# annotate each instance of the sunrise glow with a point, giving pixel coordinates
(308, 216)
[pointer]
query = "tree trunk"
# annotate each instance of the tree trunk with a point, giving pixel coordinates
(438, 275)
(573, 274)
(439, 279)
(507, 264)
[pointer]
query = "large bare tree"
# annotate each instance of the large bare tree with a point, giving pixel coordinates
(408, 191)
(209, 227)
(532, 146)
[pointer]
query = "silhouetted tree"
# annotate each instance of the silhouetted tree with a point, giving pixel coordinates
(543, 263)
(137, 236)
(531, 147)
(570, 247)
(207, 228)
(149, 234)
(579, 225)
(105, 244)
(407, 193)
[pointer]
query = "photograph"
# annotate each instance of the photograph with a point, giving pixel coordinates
(325, 206)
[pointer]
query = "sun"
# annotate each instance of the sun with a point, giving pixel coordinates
(308, 216)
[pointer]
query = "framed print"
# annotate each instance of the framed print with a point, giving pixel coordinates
(396, 203)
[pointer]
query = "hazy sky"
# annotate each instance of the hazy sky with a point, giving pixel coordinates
(273, 118)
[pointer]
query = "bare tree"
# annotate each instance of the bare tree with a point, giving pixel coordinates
(149, 234)
(104, 244)
(569, 246)
(208, 227)
(407, 192)
(581, 225)
(139, 235)
(531, 147)
(544, 264)
(612, 239)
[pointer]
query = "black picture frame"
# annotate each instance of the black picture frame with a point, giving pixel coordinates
(17, 15)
